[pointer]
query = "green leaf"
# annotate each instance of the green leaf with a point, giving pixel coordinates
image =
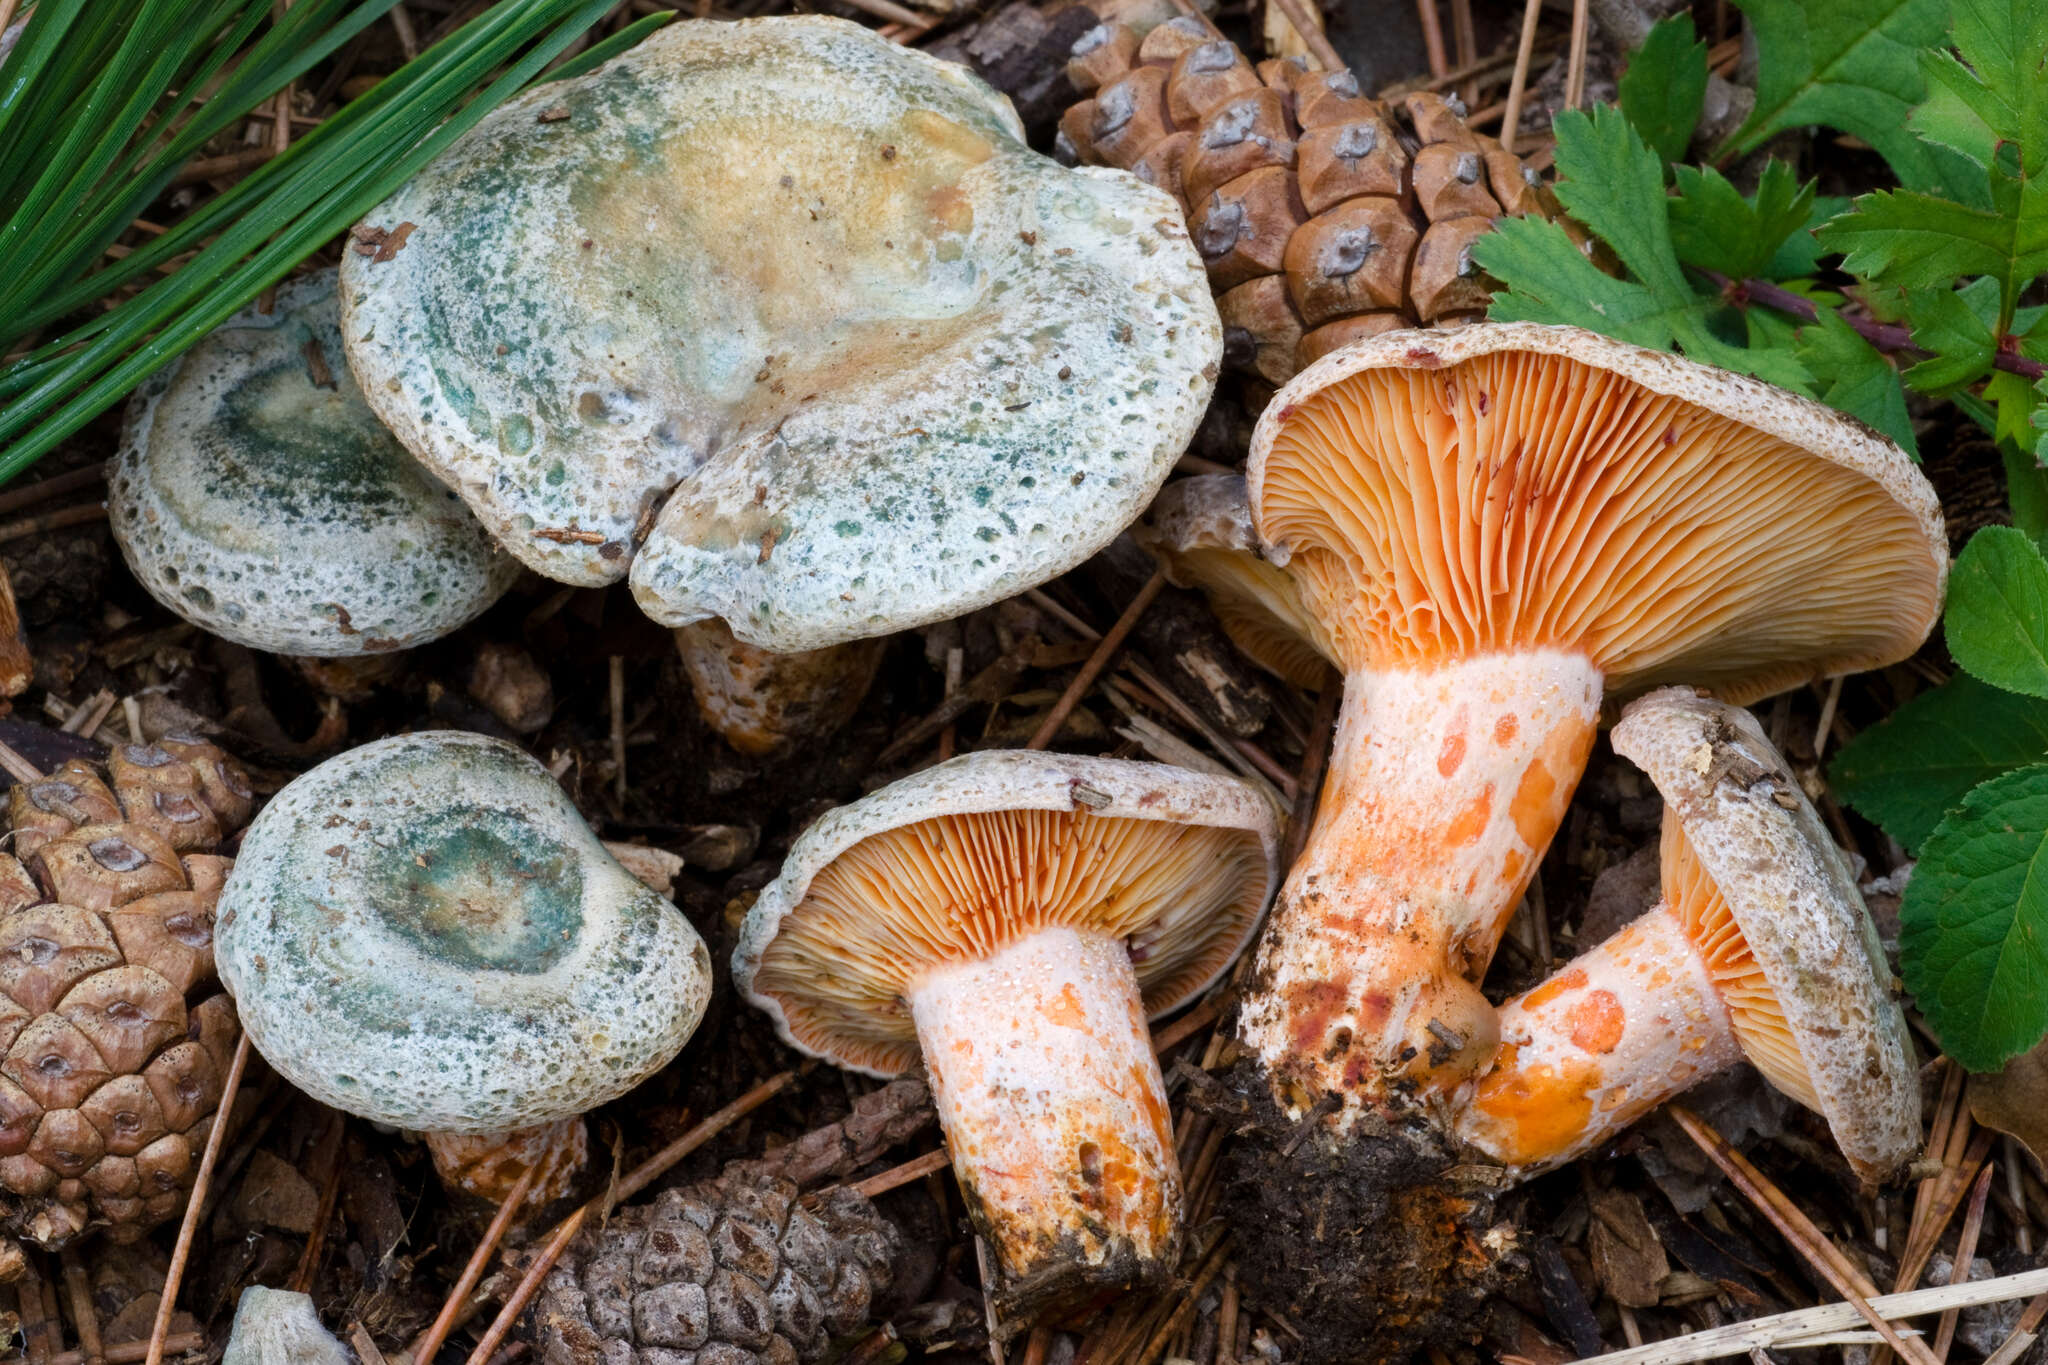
(1898, 237)
(2026, 491)
(1665, 85)
(1713, 227)
(1995, 92)
(1611, 182)
(1855, 377)
(1850, 66)
(1973, 928)
(1996, 619)
(1918, 764)
(1957, 326)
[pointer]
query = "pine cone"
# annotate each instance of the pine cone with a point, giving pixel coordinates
(117, 1037)
(732, 1271)
(1324, 216)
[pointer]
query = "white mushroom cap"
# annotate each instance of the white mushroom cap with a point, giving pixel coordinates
(257, 496)
(423, 932)
(1515, 486)
(1824, 1023)
(788, 320)
(1179, 863)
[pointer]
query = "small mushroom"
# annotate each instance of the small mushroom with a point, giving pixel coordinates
(257, 496)
(1760, 948)
(423, 932)
(764, 703)
(786, 323)
(1200, 529)
(1016, 917)
(1496, 525)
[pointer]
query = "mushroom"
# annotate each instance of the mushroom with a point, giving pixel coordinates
(1495, 525)
(257, 496)
(784, 322)
(1760, 948)
(1200, 529)
(1016, 917)
(423, 932)
(764, 703)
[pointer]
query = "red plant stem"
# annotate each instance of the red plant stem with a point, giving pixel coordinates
(1885, 336)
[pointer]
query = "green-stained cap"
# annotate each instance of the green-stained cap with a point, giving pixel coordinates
(258, 497)
(787, 322)
(424, 932)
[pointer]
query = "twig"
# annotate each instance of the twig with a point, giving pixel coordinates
(1432, 37)
(128, 1352)
(528, 1283)
(2023, 1332)
(1465, 41)
(917, 1168)
(1966, 1251)
(1312, 35)
(892, 12)
(1840, 1273)
(430, 1340)
(1802, 1326)
(1191, 1023)
(1575, 68)
(18, 768)
(42, 490)
(1105, 650)
(652, 1169)
(1890, 337)
(91, 1350)
(188, 1226)
(53, 521)
(330, 1194)
(1827, 717)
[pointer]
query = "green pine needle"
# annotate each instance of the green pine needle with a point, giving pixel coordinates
(101, 104)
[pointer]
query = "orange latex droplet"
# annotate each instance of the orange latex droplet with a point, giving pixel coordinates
(1598, 1022)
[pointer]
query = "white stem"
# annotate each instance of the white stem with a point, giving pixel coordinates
(1052, 1103)
(1444, 789)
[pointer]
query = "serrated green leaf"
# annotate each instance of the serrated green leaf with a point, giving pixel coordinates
(1920, 242)
(2012, 400)
(1995, 92)
(1996, 619)
(1614, 185)
(1664, 86)
(1713, 227)
(1973, 928)
(1850, 66)
(1918, 763)
(1957, 325)
(1855, 377)
(2026, 491)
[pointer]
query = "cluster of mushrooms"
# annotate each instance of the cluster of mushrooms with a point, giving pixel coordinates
(784, 325)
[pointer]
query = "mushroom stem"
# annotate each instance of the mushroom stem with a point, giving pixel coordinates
(1444, 788)
(762, 702)
(1054, 1109)
(1627, 1026)
(489, 1165)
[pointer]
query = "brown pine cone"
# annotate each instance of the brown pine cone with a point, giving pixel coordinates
(732, 1271)
(116, 1035)
(1324, 216)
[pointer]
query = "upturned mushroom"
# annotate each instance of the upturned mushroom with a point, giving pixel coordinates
(1761, 948)
(1496, 526)
(423, 932)
(784, 322)
(257, 496)
(1015, 917)
(1200, 530)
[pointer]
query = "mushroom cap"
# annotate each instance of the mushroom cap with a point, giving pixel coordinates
(787, 319)
(997, 843)
(1509, 486)
(257, 496)
(1803, 975)
(423, 932)
(1200, 528)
